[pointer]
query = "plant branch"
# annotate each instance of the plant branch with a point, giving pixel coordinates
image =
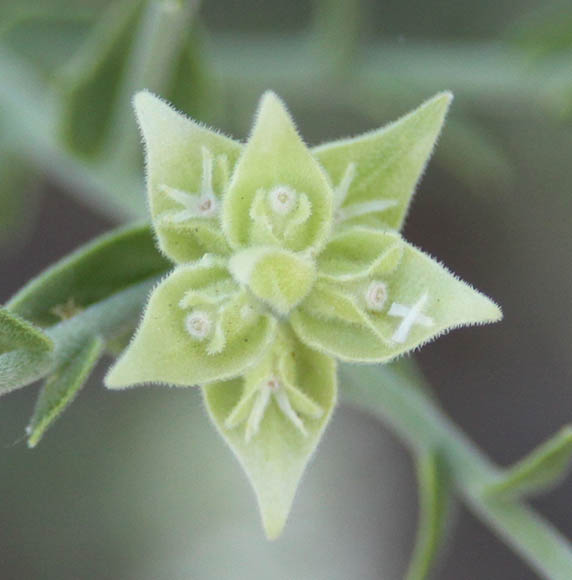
(423, 426)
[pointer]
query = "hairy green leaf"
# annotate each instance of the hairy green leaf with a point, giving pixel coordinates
(198, 326)
(19, 334)
(278, 194)
(107, 265)
(539, 471)
(19, 368)
(273, 419)
(188, 168)
(374, 175)
(381, 297)
(434, 504)
(61, 388)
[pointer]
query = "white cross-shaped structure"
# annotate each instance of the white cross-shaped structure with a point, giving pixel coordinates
(411, 315)
(201, 204)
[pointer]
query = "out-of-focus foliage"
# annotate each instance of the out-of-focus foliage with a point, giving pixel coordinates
(544, 32)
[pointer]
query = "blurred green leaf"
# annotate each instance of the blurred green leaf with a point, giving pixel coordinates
(19, 199)
(46, 41)
(90, 84)
(115, 61)
(47, 9)
(61, 388)
(434, 506)
(545, 31)
(107, 265)
(537, 472)
(471, 154)
(193, 89)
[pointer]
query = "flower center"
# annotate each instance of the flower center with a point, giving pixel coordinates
(282, 199)
(198, 324)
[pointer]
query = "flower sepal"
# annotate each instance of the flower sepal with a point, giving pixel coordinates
(273, 418)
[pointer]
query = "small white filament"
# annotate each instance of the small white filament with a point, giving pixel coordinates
(201, 204)
(284, 404)
(376, 296)
(257, 413)
(198, 324)
(271, 388)
(282, 199)
(410, 315)
(341, 191)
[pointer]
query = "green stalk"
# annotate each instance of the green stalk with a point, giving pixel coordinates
(423, 426)
(108, 319)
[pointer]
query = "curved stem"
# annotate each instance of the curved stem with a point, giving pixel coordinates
(414, 415)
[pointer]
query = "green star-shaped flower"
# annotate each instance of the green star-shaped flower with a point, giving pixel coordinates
(286, 258)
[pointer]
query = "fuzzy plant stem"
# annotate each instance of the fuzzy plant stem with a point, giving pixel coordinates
(423, 427)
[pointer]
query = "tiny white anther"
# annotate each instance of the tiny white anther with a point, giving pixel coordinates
(282, 199)
(376, 296)
(198, 324)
